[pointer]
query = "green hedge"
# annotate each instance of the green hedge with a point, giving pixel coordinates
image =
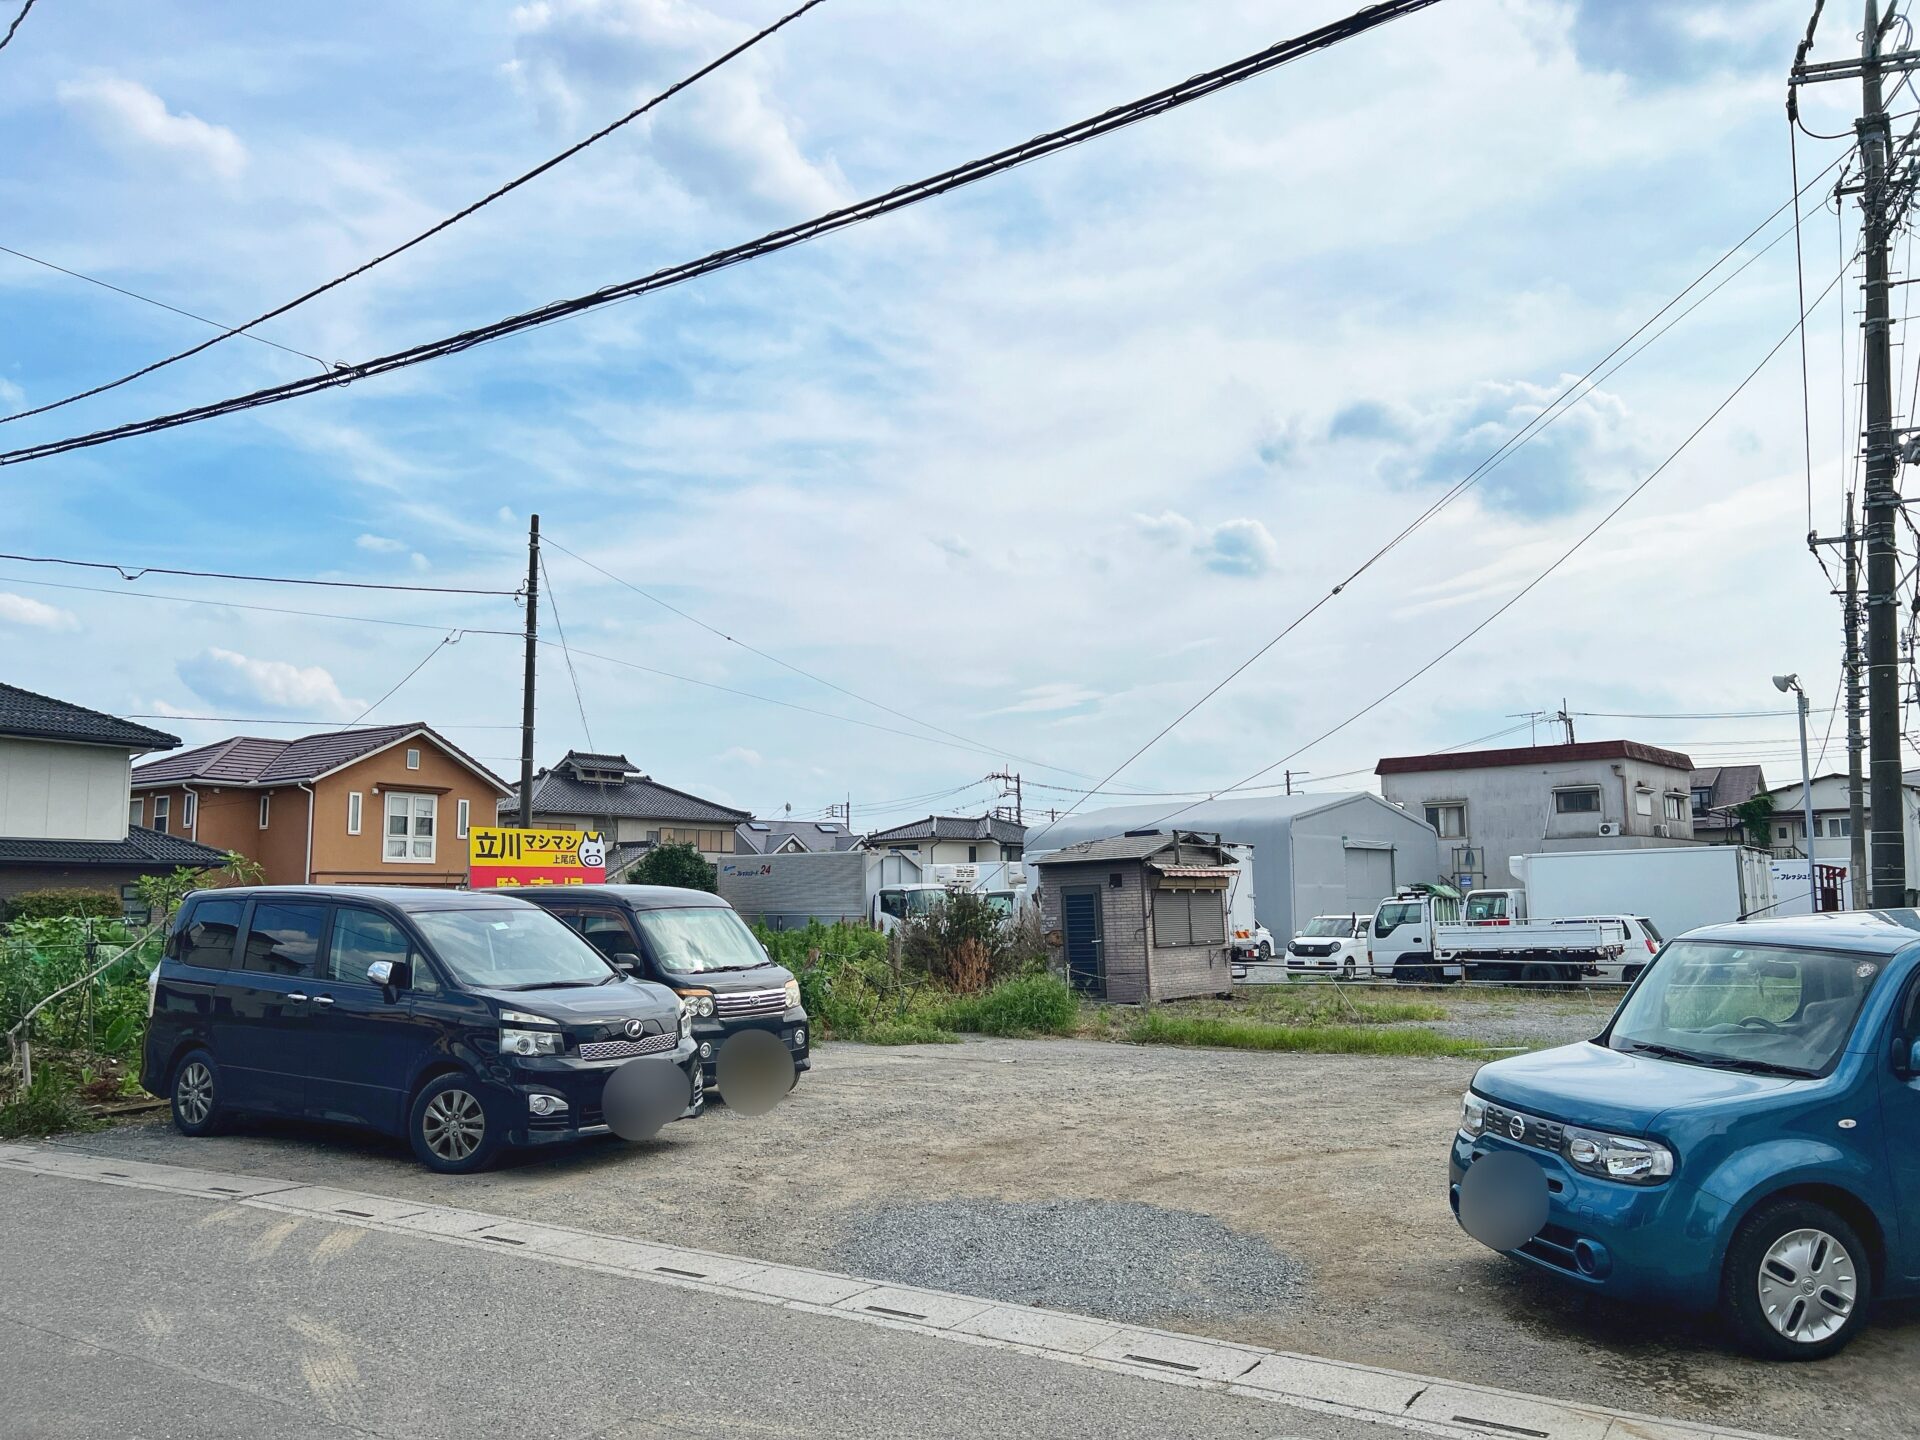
(57, 904)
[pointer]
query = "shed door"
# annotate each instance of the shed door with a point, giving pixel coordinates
(1085, 944)
(1369, 877)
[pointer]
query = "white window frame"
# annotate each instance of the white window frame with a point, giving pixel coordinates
(413, 759)
(1676, 807)
(462, 812)
(137, 811)
(266, 809)
(1643, 802)
(354, 804)
(162, 813)
(1459, 805)
(409, 802)
(189, 811)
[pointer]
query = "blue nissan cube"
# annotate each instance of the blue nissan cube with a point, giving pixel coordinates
(1744, 1136)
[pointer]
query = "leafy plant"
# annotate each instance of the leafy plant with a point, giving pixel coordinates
(1029, 1005)
(48, 1107)
(1756, 818)
(676, 864)
(53, 904)
(162, 894)
(963, 943)
(1155, 1026)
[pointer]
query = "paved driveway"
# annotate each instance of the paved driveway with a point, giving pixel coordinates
(1327, 1170)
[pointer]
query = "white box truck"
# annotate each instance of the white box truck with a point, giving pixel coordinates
(1678, 887)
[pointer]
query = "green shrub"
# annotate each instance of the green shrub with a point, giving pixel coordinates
(905, 1032)
(1030, 1005)
(54, 904)
(1155, 1026)
(48, 1107)
(846, 980)
(675, 864)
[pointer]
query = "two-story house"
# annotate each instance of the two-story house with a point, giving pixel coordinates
(383, 805)
(1717, 789)
(65, 818)
(635, 812)
(953, 839)
(1490, 805)
(792, 837)
(1832, 827)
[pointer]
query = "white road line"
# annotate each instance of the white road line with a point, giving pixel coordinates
(1421, 1404)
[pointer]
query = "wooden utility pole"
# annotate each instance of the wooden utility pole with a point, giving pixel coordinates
(526, 689)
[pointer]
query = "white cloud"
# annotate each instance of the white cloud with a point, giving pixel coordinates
(419, 562)
(227, 677)
(19, 610)
(381, 544)
(740, 755)
(128, 114)
(1042, 699)
(1241, 547)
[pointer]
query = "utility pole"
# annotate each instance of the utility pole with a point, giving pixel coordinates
(1886, 844)
(1288, 775)
(1849, 541)
(1565, 719)
(1011, 778)
(526, 690)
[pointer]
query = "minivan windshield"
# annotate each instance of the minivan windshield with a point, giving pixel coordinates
(1341, 925)
(511, 949)
(698, 942)
(1767, 1009)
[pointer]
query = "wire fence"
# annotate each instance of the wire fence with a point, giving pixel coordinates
(74, 984)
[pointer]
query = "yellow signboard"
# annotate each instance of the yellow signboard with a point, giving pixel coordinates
(497, 855)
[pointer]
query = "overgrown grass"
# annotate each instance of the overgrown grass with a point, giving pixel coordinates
(48, 1107)
(906, 1032)
(1031, 1005)
(1155, 1026)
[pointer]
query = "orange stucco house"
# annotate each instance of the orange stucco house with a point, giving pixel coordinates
(386, 805)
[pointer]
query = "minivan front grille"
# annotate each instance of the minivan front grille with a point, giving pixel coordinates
(621, 1049)
(750, 1002)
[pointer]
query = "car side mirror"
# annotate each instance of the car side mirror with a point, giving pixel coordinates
(626, 960)
(390, 974)
(1906, 1057)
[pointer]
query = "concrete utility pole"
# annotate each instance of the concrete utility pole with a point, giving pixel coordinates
(1849, 541)
(526, 690)
(1878, 190)
(1565, 719)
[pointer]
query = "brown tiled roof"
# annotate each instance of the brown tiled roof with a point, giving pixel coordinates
(251, 760)
(1534, 755)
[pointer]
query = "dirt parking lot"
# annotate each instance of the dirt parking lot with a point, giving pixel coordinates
(1296, 1201)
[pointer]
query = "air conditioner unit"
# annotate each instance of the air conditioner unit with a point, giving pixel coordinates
(1609, 828)
(1662, 831)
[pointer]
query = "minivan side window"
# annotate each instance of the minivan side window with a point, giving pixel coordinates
(208, 937)
(610, 934)
(358, 938)
(284, 939)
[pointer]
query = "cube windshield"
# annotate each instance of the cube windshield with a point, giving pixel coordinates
(697, 942)
(1763, 1008)
(502, 949)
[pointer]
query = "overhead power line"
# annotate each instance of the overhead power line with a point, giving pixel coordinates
(158, 304)
(553, 604)
(427, 234)
(134, 572)
(1159, 103)
(451, 638)
(7, 39)
(803, 673)
(239, 605)
(1537, 580)
(282, 720)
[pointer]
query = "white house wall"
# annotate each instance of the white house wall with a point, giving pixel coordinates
(50, 791)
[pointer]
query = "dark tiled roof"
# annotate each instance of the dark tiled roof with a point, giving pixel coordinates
(1534, 755)
(587, 760)
(636, 798)
(1123, 847)
(250, 760)
(763, 837)
(1729, 784)
(952, 827)
(141, 848)
(41, 717)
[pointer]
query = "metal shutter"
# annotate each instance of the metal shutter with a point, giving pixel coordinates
(1207, 912)
(1172, 917)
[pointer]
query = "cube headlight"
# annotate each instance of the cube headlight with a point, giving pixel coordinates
(1618, 1157)
(1473, 1116)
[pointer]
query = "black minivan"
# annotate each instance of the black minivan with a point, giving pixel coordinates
(463, 1021)
(696, 945)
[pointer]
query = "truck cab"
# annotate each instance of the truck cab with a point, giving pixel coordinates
(1401, 941)
(1496, 907)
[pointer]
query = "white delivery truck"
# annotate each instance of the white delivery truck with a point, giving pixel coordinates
(1420, 935)
(1678, 887)
(1003, 882)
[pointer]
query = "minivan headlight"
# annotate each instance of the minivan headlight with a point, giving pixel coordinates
(1618, 1157)
(698, 1001)
(1473, 1115)
(793, 994)
(531, 1042)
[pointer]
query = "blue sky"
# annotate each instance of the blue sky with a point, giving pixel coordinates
(1035, 463)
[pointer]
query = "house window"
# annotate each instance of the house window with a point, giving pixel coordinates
(1577, 802)
(1780, 832)
(1702, 798)
(1643, 802)
(161, 804)
(1840, 826)
(1448, 819)
(353, 812)
(266, 809)
(413, 759)
(189, 812)
(1676, 807)
(410, 827)
(973, 853)
(136, 812)
(460, 813)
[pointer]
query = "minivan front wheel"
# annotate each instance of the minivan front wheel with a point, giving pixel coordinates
(195, 1098)
(1798, 1281)
(450, 1127)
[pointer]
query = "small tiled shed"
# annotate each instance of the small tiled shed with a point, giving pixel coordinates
(1141, 916)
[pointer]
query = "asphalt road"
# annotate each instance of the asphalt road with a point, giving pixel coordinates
(126, 1313)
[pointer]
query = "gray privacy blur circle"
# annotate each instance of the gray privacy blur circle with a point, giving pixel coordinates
(754, 1071)
(643, 1095)
(1503, 1200)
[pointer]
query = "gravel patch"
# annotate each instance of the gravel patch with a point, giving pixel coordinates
(1120, 1260)
(1500, 1021)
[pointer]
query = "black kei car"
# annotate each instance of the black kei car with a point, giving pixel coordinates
(464, 1022)
(697, 946)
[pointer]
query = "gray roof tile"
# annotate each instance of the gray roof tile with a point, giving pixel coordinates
(40, 717)
(635, 798)
(952, 827)
(142, 847)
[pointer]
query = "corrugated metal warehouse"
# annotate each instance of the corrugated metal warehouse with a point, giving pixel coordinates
(1313, 854)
